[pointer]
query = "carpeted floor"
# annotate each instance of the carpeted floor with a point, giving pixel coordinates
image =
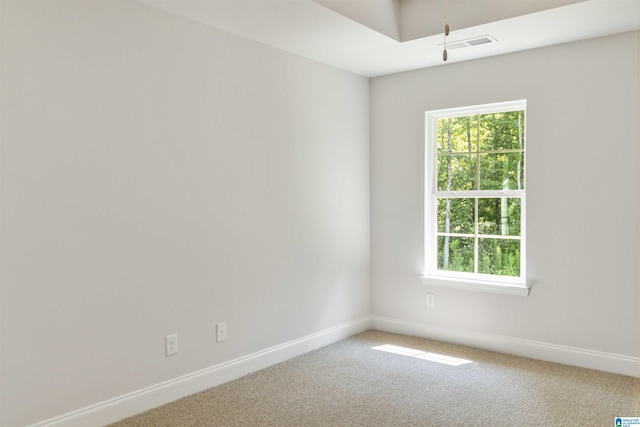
(350, 383)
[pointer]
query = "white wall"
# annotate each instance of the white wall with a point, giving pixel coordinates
(637, 320)
(582, 190)
(159, 176)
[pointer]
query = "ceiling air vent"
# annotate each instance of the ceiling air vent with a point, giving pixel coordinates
(476, 41)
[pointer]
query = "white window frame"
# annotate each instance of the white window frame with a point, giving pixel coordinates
(462, 280)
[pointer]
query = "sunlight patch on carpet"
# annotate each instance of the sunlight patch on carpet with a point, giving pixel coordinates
(419, 354)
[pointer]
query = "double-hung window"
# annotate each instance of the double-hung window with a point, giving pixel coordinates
(476, 198)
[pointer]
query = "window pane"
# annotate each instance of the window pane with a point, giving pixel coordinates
(499, 256)
(458, 134)
(502, 171)
(455, 253)
(459, 213)
(502, 131)
(457, 172)
(499, 216)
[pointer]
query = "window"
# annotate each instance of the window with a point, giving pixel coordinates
(476, 200)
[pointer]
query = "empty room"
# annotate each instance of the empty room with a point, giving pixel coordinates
(319, 213)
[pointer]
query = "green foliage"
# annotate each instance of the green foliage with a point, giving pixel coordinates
(490, 216)
(480, 152)
(497, 256)
(461, 214)
(460, 254)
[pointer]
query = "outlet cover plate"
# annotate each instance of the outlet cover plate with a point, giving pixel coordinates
(171, 344)
(431, 300)
(221, 332)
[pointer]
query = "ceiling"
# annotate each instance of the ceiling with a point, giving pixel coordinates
(377, 37)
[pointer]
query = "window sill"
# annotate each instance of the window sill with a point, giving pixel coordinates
(476, 285)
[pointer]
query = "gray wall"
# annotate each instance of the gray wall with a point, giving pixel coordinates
(582, 192)
(159, 176)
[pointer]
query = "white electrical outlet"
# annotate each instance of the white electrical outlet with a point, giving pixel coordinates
(431, 300)
(221, 332)
(171, 344)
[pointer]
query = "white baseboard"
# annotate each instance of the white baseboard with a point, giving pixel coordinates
(142, 400)
(608, 362)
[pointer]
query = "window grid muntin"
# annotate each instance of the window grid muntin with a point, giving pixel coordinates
(476, 235)
(477, 152)
(431, 230)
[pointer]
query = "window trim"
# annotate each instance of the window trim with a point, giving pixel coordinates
(477, 285)
(460, 280)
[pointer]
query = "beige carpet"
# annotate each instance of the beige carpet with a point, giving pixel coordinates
(351, 384)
